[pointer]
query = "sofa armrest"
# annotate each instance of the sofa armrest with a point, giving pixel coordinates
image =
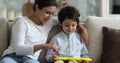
(94, 26)
(3, 35)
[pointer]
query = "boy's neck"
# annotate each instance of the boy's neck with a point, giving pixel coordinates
(66, 33)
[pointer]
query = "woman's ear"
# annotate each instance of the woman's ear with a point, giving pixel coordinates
(36, 7)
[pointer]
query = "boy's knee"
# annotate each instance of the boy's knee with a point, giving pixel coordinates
(59, 61)
(73, 61)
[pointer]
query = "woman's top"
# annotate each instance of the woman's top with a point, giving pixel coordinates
(25, 34)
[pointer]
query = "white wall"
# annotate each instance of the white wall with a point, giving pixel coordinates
(86, 7)
(13, 4)
(9, 9)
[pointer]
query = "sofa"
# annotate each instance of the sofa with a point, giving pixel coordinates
(93, 24)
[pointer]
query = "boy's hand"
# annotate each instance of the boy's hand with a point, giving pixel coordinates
(53, 56)
(83, 61)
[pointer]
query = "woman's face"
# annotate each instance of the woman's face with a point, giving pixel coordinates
(69, 26)
(45, 13)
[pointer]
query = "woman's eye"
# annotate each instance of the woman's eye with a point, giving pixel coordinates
(52, 13)
(47, 12)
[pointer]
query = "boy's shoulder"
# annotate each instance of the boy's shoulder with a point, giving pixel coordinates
(76, 34)
(58, 34)
(56, 37)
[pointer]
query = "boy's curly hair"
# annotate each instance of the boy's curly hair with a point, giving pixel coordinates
(69, 12)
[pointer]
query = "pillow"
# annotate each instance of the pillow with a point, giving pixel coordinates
(111, 45)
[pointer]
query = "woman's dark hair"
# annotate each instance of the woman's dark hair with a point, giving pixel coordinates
(69, 12)
(44, 3)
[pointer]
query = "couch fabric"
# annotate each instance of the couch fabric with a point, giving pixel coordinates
(93, 24)
(3, 35)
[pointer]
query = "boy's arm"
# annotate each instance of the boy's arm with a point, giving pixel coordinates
(84, 34)
(84, 51)
(50, 53)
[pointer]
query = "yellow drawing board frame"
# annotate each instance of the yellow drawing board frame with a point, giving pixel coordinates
(72, 58)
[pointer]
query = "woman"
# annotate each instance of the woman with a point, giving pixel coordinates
(29, 34)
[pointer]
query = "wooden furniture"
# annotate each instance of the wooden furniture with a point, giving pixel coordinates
(27, 8)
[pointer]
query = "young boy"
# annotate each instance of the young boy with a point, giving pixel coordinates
(68, 40)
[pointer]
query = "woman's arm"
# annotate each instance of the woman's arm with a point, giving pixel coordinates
(84, 34)
(18, 38)
(46, 46)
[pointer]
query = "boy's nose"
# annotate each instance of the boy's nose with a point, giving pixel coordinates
(70, 27)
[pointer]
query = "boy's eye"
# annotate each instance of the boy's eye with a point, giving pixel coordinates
(66, 25)
(73, 25)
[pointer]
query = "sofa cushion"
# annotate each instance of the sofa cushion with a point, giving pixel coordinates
(3, 35)
(53, 32)
(111, 45)
(94, 26)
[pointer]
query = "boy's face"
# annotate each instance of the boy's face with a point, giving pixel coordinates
(69, 26)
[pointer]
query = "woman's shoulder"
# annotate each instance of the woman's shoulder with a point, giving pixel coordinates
(20, 20)
(20, 17)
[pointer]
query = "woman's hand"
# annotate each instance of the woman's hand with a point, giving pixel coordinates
(46, 46)
(52, 46)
